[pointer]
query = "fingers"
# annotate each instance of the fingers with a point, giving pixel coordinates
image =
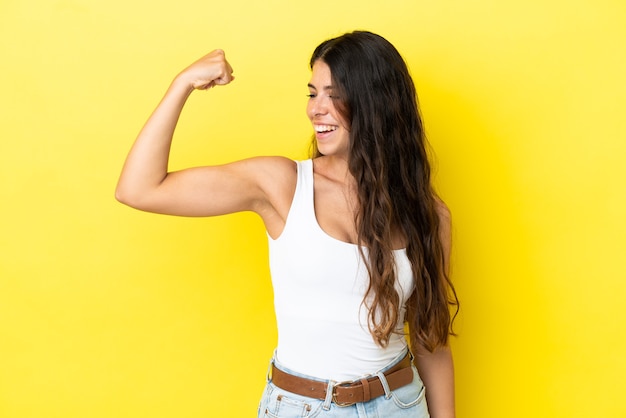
(211, 70)
(227, 71)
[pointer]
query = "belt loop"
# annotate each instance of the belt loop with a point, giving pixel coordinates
(383, 380)
(330, 389)
(270, 366)
(367, 395)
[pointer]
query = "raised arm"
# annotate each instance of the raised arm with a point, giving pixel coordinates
(146, 184)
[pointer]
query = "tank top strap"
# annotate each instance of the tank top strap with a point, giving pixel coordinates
(303, 203)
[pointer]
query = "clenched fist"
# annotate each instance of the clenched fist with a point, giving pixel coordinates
(208, 71)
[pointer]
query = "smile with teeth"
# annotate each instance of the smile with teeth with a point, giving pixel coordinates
(324, 128)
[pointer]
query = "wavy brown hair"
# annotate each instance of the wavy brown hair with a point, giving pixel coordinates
(388, 158)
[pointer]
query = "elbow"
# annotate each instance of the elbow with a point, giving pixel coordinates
(137, 199)
(121, 197)
(126, 197)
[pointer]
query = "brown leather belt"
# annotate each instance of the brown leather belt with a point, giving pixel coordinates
(346, 394)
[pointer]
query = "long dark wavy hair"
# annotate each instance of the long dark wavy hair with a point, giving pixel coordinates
(388, 158)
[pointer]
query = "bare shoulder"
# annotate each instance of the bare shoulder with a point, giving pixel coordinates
(273, 174)
(273, 165)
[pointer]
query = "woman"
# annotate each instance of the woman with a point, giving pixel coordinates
(359, 242)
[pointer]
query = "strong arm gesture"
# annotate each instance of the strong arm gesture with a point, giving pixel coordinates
(146, 184)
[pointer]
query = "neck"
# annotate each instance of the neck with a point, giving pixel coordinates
(336, 168)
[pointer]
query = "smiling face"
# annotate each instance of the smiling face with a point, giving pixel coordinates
(332, 132)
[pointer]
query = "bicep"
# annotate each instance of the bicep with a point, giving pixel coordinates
(208, 191)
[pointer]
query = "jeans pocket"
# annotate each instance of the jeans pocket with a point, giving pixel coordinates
(411, 394)
(281, 404)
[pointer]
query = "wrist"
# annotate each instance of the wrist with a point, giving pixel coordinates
(181, 85)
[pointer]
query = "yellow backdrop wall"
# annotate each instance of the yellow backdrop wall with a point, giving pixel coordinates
(109, 312)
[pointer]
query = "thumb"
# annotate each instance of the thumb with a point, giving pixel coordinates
(224, 80)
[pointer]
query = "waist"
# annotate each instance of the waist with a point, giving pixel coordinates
(348, 393)
(336, 352)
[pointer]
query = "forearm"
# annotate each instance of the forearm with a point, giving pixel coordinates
(437, 372)
(147, 162)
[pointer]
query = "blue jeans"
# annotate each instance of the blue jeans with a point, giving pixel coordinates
(407, 401)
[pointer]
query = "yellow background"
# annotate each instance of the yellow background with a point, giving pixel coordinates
(110, 312)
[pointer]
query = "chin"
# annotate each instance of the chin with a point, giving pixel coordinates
(326, 151)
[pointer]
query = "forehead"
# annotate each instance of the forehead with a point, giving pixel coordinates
(320, 76)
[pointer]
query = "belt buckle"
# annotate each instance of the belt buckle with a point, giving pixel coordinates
(334, 397)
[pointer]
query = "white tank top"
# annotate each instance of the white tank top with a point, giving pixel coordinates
(319, 284)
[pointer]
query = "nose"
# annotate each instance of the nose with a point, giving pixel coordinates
(317, 106)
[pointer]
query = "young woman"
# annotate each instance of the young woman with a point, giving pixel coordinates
(359, 242)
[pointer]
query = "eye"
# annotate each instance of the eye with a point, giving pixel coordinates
(311, 95)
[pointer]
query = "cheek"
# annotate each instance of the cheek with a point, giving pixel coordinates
(339, 117)
(342, 122)
(309, 110)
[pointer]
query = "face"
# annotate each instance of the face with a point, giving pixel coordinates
(331, 130)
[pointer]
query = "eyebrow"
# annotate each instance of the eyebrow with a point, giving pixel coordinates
(311, 86)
